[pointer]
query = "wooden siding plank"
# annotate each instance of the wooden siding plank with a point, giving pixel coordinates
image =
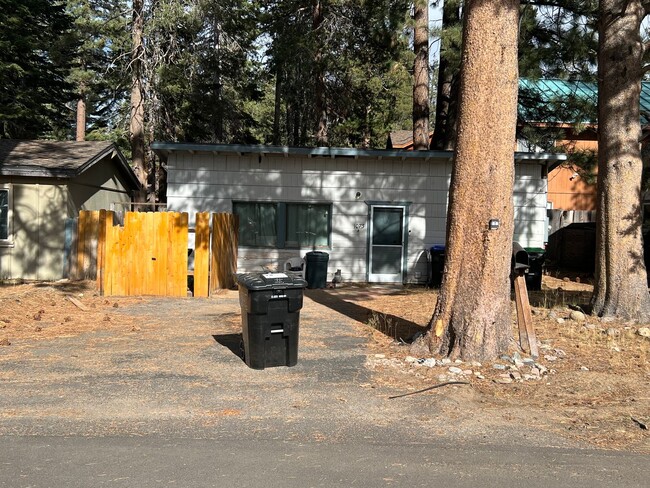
(101, 251)
(180, 253)
(132, 253)
(149, 238)
(162, 231)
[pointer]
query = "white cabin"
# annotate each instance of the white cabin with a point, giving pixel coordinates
(374, 212)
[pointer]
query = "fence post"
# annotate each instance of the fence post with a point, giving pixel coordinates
(101, 251)
(201, 254)
(225, 238)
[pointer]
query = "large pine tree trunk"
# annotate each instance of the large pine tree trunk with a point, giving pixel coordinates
(472, 318)
(137, 99)
(621, 288)
(421, 76)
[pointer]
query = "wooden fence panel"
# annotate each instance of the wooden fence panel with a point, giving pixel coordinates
(148, 256)
(162, 244)
(202, 254)
(101, 251)
(225, 236)
(177, 254)
(83, 259)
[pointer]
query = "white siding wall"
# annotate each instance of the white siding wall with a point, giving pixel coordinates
(530, 197)
(210, 182)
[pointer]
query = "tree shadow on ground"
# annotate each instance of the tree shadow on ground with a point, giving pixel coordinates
(342, 301)
(64, 286)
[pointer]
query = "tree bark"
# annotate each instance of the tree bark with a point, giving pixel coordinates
(444, 135)
(319, 76)
(472, 318)
(137, 98)
(81, 120)
(621, 288)
(277, 109)
(421, 76)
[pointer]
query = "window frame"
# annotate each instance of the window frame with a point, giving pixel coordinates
(277, 213)
(9, 241)
(282, 208)
(306, 204)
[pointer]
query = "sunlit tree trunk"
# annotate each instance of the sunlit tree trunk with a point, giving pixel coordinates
(444, 135)
(472, 318)
(421, 76)
(621, 289)
(81, 120)
(277, 107)
(137, 98)
(319, 76)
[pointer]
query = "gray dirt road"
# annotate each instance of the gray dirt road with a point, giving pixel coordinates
(154, 462)
(170, 402)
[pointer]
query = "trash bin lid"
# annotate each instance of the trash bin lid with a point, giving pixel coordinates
(269, 281)
(437, 248)
(314, 256)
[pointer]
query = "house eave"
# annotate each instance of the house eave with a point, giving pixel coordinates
(163, 149)
(112, 152)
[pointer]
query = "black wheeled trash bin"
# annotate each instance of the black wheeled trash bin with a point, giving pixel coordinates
(316, 273)
(436, 260)
(270, 308)
(536, 258)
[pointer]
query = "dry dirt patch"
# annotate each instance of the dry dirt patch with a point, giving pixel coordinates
(598, 384)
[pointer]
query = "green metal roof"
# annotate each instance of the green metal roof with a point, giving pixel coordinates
(557, 101)
(164, 148)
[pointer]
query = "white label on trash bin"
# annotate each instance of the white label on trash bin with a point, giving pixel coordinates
(273, 276)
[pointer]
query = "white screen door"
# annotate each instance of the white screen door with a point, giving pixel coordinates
(386, 244)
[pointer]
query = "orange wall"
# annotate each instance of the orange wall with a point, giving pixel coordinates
(567, 191)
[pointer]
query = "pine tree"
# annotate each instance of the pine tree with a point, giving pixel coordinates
(34, 64)
(621, 288)
(472, 315)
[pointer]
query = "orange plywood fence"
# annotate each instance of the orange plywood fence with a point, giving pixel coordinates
(225, 237)
(148, 256)
(201, 254)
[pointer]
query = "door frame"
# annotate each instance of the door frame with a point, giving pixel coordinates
(404, 206)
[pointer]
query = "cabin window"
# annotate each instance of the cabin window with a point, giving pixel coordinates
(5, 214)
(308, 225)
(258, 223)
(284, 225)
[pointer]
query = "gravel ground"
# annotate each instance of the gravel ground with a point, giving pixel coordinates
(171, 367)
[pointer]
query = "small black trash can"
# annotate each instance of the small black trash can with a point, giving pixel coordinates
(536, 258)
(436, 261)
(316, 273)
(270, 307)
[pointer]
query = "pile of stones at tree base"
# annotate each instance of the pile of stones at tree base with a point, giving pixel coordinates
(510, 368)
